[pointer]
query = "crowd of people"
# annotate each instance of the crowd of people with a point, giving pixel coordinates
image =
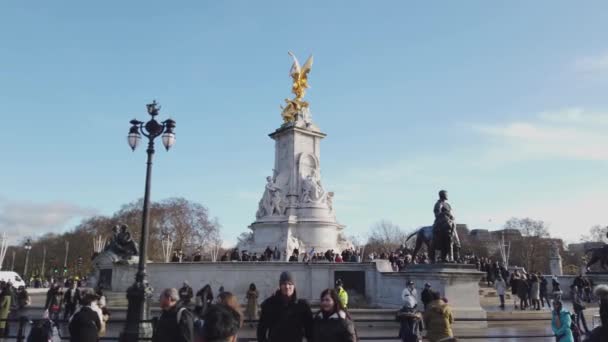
(187, 316)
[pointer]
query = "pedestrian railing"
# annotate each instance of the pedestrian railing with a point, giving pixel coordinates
(23, 323)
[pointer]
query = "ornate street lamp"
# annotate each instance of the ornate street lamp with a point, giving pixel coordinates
(27, 247)
(139, 293)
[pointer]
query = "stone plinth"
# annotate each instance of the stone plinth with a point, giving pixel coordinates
(458, 283)
(598, 277)
(555, 265)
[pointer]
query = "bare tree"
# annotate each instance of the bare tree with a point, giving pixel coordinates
(385, 236)
(244, 240)
(597, 233)
(532, 250)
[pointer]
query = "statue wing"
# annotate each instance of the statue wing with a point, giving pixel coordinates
(307, 66)
(295, 67)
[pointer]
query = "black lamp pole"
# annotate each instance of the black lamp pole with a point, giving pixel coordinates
(28, 247)
(139, 293)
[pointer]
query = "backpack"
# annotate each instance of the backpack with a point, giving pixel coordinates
(41, 331)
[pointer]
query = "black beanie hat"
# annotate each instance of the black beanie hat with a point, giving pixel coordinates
(287, 277)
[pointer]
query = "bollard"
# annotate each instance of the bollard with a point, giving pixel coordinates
(21, 331)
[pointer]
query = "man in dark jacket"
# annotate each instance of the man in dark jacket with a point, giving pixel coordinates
(284, 317)
(71, 298)
(425, 295)
(175, 323)
(185, 294)
(86, 323)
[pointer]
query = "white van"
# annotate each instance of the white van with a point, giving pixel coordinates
(12, 277)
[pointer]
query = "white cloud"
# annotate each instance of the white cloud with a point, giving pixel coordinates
(597, 63)
(21, 219)
(571, 133)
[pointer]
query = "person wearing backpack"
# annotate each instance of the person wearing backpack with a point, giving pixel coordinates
(175, 323)
(561, 323)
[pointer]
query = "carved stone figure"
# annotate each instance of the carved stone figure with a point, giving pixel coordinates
(312, 190)
(330, 201)
(271, 202)
(277, 203)
(555, 250)
(121, 242)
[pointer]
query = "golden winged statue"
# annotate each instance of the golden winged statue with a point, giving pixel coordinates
(299, 85)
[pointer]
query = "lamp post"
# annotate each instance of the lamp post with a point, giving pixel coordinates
(139, 292)
(28, 247)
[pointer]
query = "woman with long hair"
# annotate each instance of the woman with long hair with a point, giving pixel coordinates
(331, 323)
(252, 302)
(228, 299)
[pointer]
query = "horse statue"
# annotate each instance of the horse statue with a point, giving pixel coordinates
(424, 236)
(598, 254)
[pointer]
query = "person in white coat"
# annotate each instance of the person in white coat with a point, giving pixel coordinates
(409, 290)
(501, 288)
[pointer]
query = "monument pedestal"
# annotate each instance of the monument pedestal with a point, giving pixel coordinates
(598, 277)
(458, 283)
(296, 211)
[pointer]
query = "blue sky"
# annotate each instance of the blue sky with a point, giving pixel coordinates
(505, 104)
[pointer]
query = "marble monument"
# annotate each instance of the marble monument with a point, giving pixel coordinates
(296, 210)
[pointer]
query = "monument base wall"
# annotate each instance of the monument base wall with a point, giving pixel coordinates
(369, 284)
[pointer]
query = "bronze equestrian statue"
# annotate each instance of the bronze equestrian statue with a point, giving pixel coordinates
(598, 254)
(441, 235)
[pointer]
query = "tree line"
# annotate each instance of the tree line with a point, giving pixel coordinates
(188, 224)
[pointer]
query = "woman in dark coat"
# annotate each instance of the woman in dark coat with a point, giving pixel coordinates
(204, 298)
(331, 324)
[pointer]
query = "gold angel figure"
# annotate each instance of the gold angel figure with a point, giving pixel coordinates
(300, 76)
(299, 85)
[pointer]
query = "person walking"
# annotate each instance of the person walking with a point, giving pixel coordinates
(577, 305)
(409, 319)
(71, 298)
(514, 284)
(204, 298)
(342, 294)
(501, 287)
(544, 292)
(425, 295)
(331, 323)
(185, 294)
(522, 292)
(284, 317)
(556, 289)
(5, 308)
(438, 320)
(560, 323)
(252, 303)
(86, 324)
(175, 323)
(409, 290)
(535, 293)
